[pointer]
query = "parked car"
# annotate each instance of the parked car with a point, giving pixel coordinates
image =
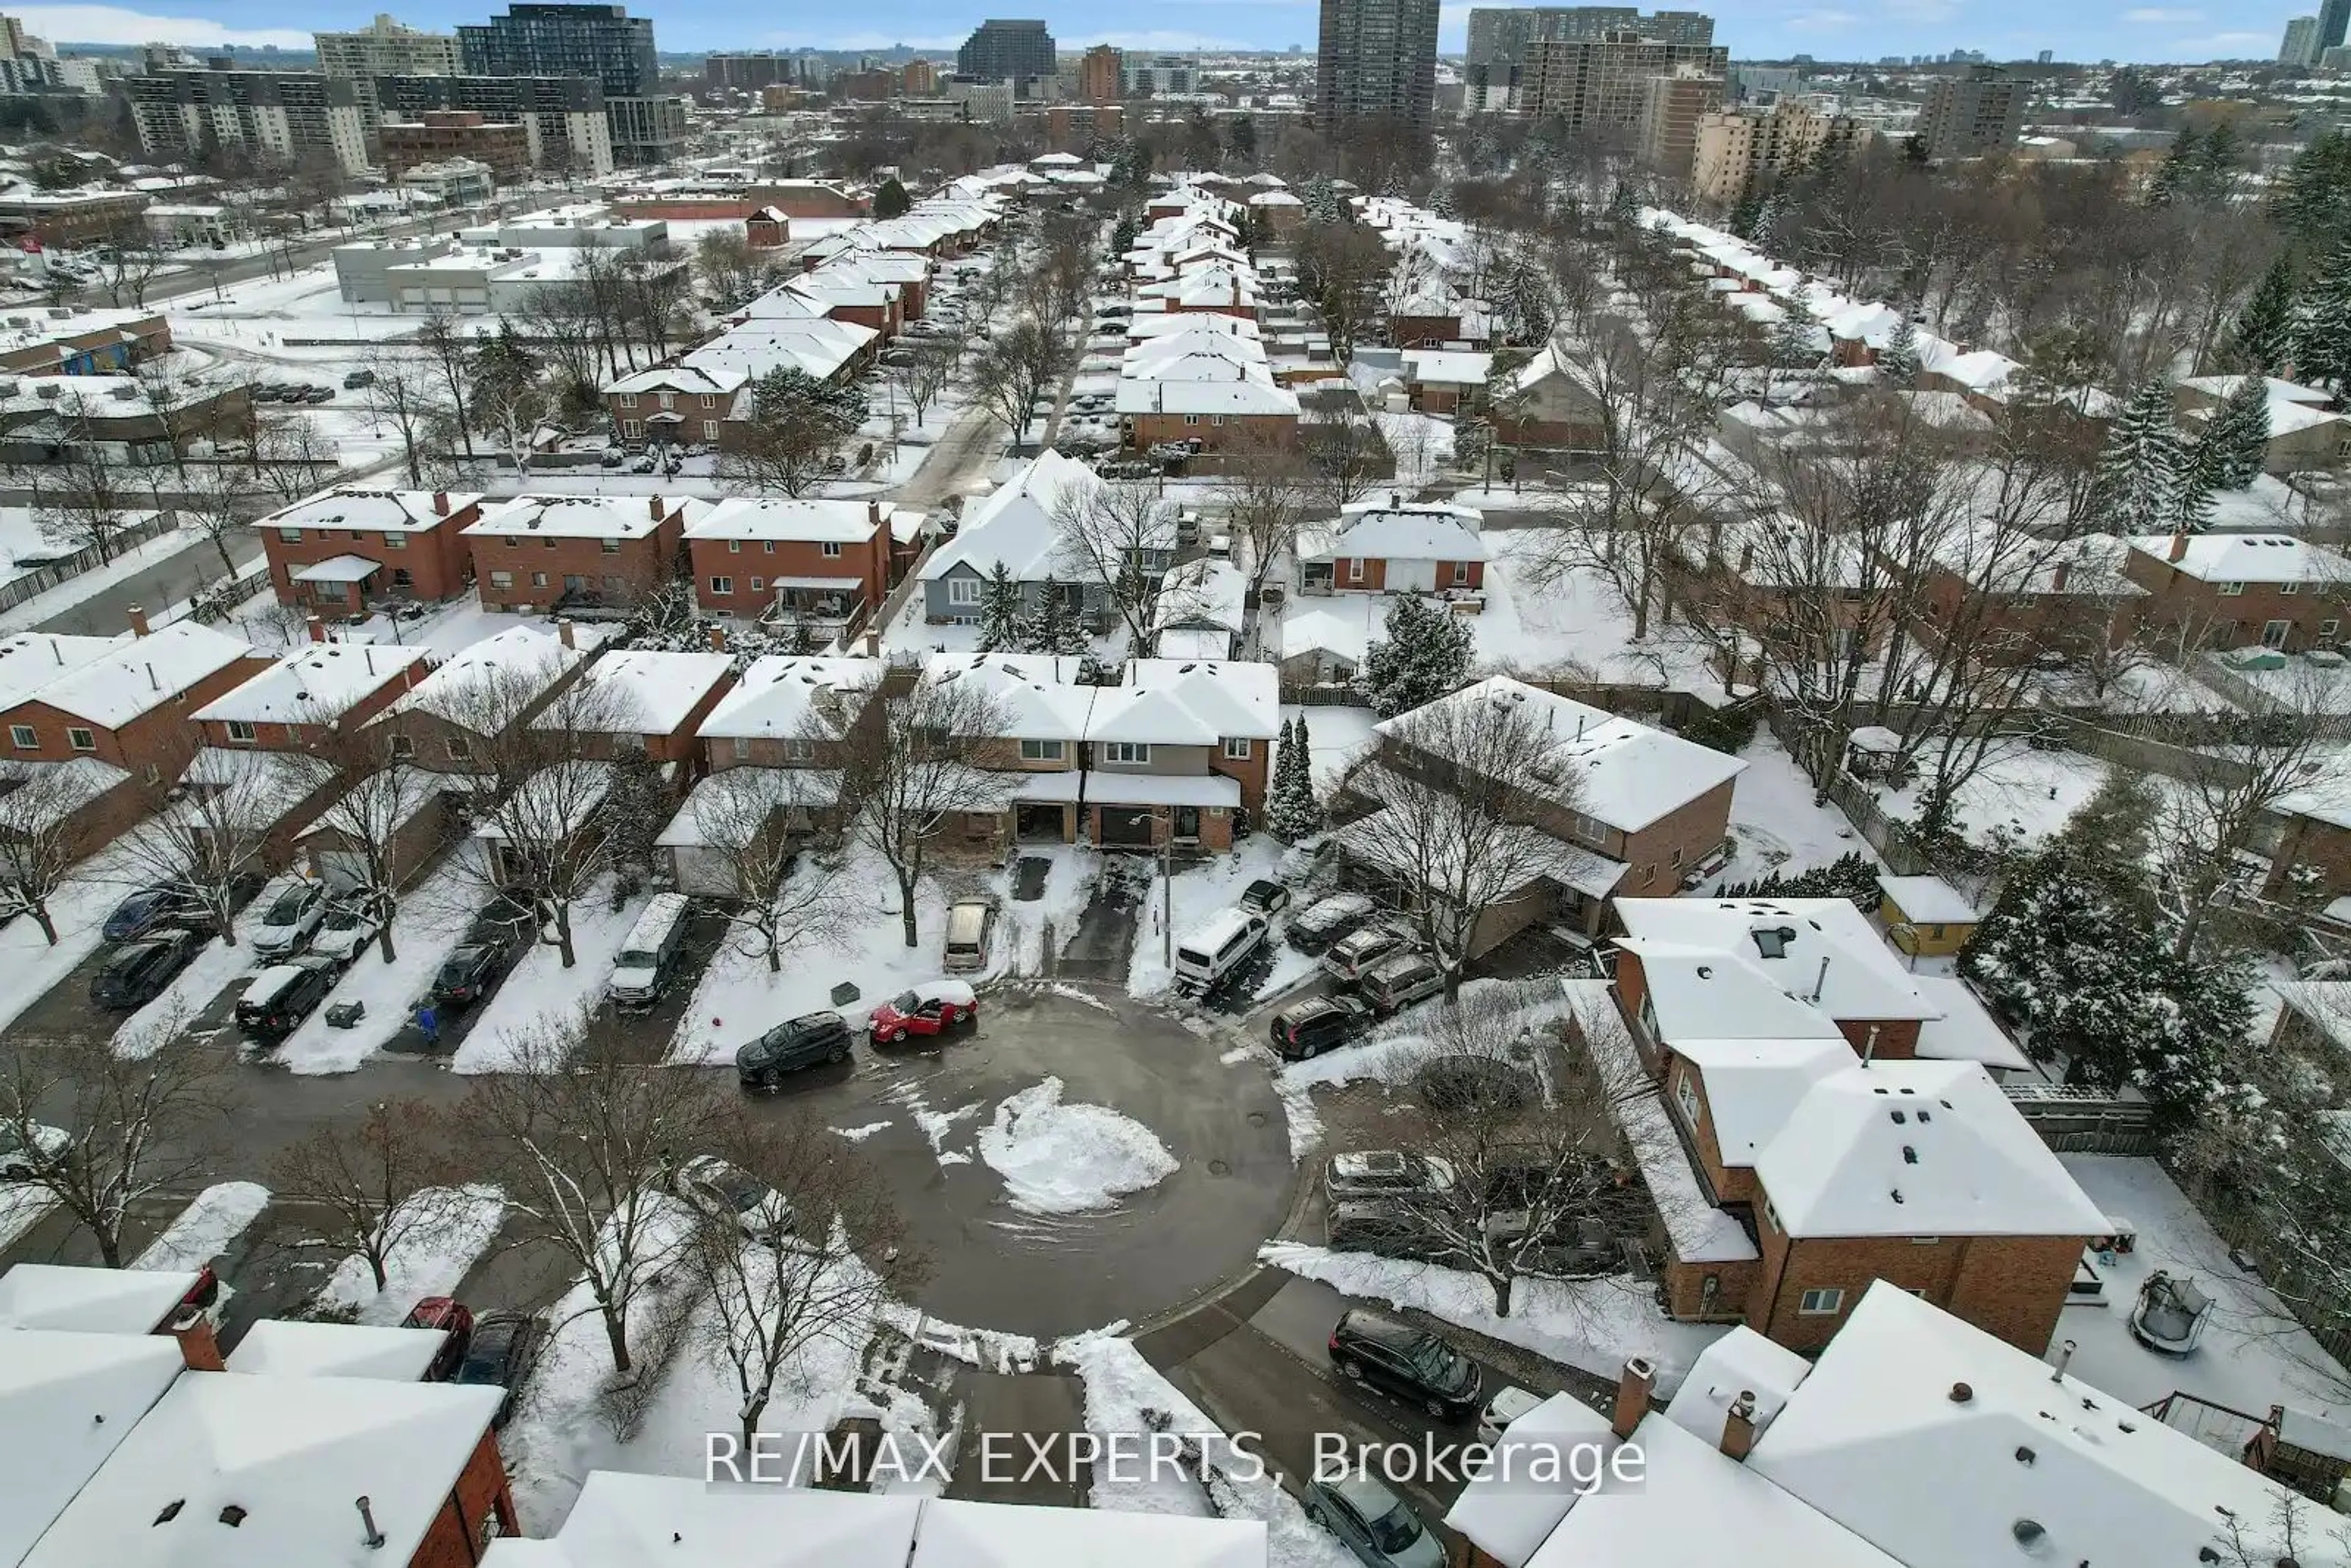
(934, 1006)
(468, 974)
(357, 379)
(1384, 1173)
(19, 1159)
(649, 954)
(1463, 1082)
(1414, 1365)
(971, 927)
(1311, 1028)
(1326, 920)
(1213, 949)
(149, 907)
(504, 921)
(1510, 1402)
(291, 916)
(320, 394)
(1265, 897)
(768, 1061)
(723, 1192)
(1379, 1526)
(1346, 959)
(1380, 1225)
(264, 392)
(503, 1349)
(348, 926)
(138, 972)
(455, 1320)
(1400, 979)
(280, 997)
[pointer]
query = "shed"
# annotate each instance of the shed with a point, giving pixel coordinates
(1925, 915)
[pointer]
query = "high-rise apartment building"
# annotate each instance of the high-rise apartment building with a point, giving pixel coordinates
(1001, 50)
(1605, 81)
(1670, 115)
(2301, 45)
(285, 117)
(563, 117)
(747, 72)
(1499, 37)
(919, 79)
(1737, 149)
(1376, 60)
(2334, 22)
(1097, 74)
(603, 43)
(386, 49)
(1972, 114)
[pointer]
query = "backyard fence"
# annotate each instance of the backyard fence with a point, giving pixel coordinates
(64, 569)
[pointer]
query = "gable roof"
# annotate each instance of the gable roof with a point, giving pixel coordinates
(1395, 529)
(67, 1401)
(30, 660)
(1035, 692)
(1164, 701)
(653, 690)
(780, 696)
(2248, 558)
(315, 683)
(536, 655)
(293, 1348)
(140, 674)
(1014, 523)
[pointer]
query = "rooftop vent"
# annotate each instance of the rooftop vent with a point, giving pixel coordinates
(1773, 943)
(1961, 1394)
(232, 1515)
(2028, 1533)
(2024, 1456)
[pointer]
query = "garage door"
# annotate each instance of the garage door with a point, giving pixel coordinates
(1126, 826)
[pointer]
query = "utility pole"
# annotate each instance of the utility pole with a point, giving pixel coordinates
(1167, 897)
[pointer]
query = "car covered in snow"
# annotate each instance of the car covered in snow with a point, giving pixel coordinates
(348, 928)
(293, 911)
(720, 1191)
(280, 997)
(1384, 1173)
(932, 1007)
(18, 1161)
(1327, 920)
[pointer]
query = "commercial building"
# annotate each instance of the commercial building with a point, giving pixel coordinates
(563, 118)
(1376, 60)
(280, 115)
(1971, 114)
(1736, 147)
(504, 145)
(386, 49)
(70, 217)
(1605, 81)
(603, 43)
(1097, 74)
(1000, 50)
(750, 72)
(1671, 113)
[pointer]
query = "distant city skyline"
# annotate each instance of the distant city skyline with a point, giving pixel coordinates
(1828, 30)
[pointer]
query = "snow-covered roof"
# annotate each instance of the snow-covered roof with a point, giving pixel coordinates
(1823, 952)
(1878, 1438)
(2247, 558)
(91, 1301)
(1966, 1030)
(803, 519)
(314, 685)
(622, 1520)
(715, 808)
(1385, 842)
(1447, 367)
(294, 1348)
(1015, 524)
(373, 511)
(1504, 1516)
(652, 692)
(956, 1534)
(1036, 693)
(1204, 592)
(575, 516)
(780, 694)
(384, 801)
(1626, 774)
(1168, 700)
(140, 674)
(1752, 1085)
(1242, 394)
(1142, 328)
(52, 791)
(1396, 530)
(1741, 1362)
(1918, 1148)
(67, 1400)
(338, 569)
(689, 378)
(32, 659)
(550, 804)
(1927, 899)
(1344, 626)
(291, 1454)
(2279, 391)
(525, 651)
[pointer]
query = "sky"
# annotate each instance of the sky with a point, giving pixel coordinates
(1755, 30)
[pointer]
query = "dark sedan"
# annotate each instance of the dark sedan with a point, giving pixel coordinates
(467, 975)
(138, 972)
(150, 907)
(500, 1356)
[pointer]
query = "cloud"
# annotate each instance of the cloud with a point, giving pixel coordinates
(2222, 47)
(2156, 16)
(1922, 10)
(116, 25)
(1819, 21)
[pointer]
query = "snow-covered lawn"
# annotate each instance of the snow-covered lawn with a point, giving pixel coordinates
(1197, 892)
(78, 910)
(1121, 1387)
(429, 1260)
(1592, 1325)
(428, 923)
(2020, 797)
(1576, 623)
(541, 987)
(203, 1232)
(1335, 737)
(1422, 444)
(2253, 1355)
(1059, 1158)
(1774, 820)
(22, 1207)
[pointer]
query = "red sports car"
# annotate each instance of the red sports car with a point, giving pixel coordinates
(931, 1007)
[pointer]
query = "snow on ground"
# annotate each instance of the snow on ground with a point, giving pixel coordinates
(1422, 442)
(1019, 944)
(936, 1126)
(22, 1207)
(1120, 1389)
(2253, 1354)
(428, 1261)
(1511, 499)
(1590, 1324)
(1335, 737)
(428, 923)
(48, 605)
(1575, 624)
(539, 987)
(859, 1134)
(216, 1216)
(1775, 821)
(1058, 1158)
(2142, 688)
(78, 910)
(2021, 797)
(192, 989)
(1197, 892)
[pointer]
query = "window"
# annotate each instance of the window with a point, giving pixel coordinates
(768, 547)
(1236, 747)
(1677, 857)
(538, 579)
(2327, 630)
(1771, 1215)
(1686, 1090)
(797, 750)
(709, 429)
(742, 748)
(501, 580)
(25, 736)
(628, 399)
(240, 733)
(722, 585)
(395, 541)
(514, 542)
(460, 748)
(734, 547)
(1126, 751)
(830, 549)
(1925, 1240)
(1460, 574)
(1191, 419)
(1821, 1303)
(1355, 571)
(708, 401)
(668, 401)
(963, 590)
(633, 430)
(403, 748)
(2228, 590)
(549, 543)
(80, 740)
(291, 536)
(402, 577)
(1648, 874)
(2289, 588)
(1040, 751)
(610, 547)
(758, 585)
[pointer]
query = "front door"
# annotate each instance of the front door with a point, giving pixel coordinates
(1187, 822)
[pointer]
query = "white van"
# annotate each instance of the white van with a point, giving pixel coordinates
(971, 923)
(642, 972)
(1208, 952)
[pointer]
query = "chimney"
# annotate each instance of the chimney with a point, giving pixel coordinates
(1739, 1426)
(718, 638)
(138, 616)
(440, 503)
(2178, 547)
(653, 504)
(563, 633)
(1821, 980)
(2064, 1359)
(874, 513)
(2058, 574)
(1632, 1396)
(198, 1349)
(317, 630)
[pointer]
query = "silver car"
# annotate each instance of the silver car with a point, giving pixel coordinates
(1379, 1526)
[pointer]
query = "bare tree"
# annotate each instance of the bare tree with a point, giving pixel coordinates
(1121, 534)
(84, 504)
(103, 1133)
(744, 816)
(1013, 370)
(1340, 269)
(580, 1140)
(42, 842)
(448, 352)
(771, 1300)
(210, 838)
(289, 455)
(1473, 790)
(128, 264)
(1265, 494)
(1346, 456)
(408, 393)
(220, 501)
(368, 1189)
(912, 778)
(927, 369)
(375, 800)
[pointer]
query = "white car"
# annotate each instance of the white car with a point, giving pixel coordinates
(723, 1192)
(1510, 1403)
(17, 1162)
(291, 914)
(346, 929)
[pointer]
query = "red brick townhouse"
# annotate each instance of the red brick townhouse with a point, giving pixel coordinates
(825, 562)
(1827, 1119)
(1395, 545)
(642, 701)
(2234, 591)
(124, 700)
(313, 697)
(342, 549)
(542, 552)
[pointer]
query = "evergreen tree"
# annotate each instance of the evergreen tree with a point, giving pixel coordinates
(1743, 214)
(2314, 195)
(1291, 812)
(2323, 337)
(1321, 201)
(2263, 339)
(1424, 656)
(1051, 626)
(2172, 179)
(891, 200)
(2229, 454)
(1897, 362)
(2144, 478)
(999, 612)
(1123, 234)
(1794, 342)
(1770, 219)
(1624, 212)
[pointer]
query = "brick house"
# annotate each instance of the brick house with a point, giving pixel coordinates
(678, 405)
(313, 697)
(1428, 318)
(777, 742)
(823, 562)
(766, 229)
(123, 700)
(2015, 600)
(1393, 546)
(447, 722)
(401, 816)
(1547, 406)
(2306, 431)
(43, 417)
(2307, 834)
(1796, 588)
(540, 553)
(1241, 410)
(2233, 590)
(645, 701)
(1446, 381)
(337, 550)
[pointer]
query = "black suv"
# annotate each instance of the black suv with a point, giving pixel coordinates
(282, 995)
(803, 1041)
(1311, 1028)
(136, 974)
(1410, 1363)
(468, 974)
(502, 922)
